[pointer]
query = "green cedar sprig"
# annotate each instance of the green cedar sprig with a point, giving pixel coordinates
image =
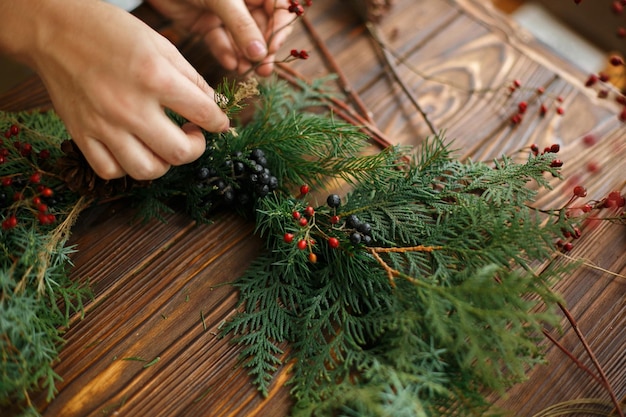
(439, 307)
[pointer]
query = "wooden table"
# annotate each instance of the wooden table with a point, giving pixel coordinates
(155, 284)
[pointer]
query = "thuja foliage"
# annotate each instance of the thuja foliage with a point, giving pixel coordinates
(440, 302)
(411, 295)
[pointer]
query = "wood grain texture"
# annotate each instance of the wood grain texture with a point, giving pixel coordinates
(160, 289)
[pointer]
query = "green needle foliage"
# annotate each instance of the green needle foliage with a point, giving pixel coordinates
(435, 301)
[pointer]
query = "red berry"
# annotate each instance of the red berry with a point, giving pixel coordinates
(296, 215)
(309, 211)
(622, 115)
(616, 199)
(589, 140)
(333, 242)
(616, 61)
(14, 130)
(51, 218)
(302, 244)
(587, 208)
(334, 219)
(303, 221)
(7, 181)
(42, 208)
(560, 111)
(9, 223)
(534, 149)
(312, 258)
(543, 110)
(35, 178)
(593, 167)
(36, 200)
(43, 218)
(522, 106)
(517, 83)
(580, 191)
(304, 189)
(288, 237)
(555, 148)
(47, 192)
(591, 80)
(44, 154)
(541, 90)
(26, 150)
(516, 119)
(294, 53)
(557, 163)
(617, 7)
(568, 246)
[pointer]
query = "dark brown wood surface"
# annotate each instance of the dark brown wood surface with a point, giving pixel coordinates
(161, 288)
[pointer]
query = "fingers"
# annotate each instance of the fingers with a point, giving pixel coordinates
(242, 27)
(114, 157)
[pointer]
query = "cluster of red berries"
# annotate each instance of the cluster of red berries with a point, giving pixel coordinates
(352, 229)
(17, 192)
(522, 106)
(296, 8)
(600, 82)
(22, 149)
(305, 219)
(31, 194)
(614, 200)
(299, 54)
(554, 148)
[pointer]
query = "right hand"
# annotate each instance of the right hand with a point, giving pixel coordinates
(110, 77)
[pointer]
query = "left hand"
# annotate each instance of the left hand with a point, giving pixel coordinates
(239, 33)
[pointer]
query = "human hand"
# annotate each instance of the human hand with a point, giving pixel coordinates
(110, 77)
(241, 34)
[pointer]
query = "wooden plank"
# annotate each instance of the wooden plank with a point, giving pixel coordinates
(156, 284)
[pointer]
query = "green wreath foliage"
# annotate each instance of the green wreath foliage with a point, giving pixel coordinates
(444, 298)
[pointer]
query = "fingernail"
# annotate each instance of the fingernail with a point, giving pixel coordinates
(257, 50)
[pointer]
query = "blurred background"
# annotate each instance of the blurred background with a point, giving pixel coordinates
(585, 34)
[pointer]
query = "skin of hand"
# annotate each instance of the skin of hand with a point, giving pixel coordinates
(239, 33)
(111, 77)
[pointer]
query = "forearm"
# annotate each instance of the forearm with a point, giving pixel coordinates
(23, 29)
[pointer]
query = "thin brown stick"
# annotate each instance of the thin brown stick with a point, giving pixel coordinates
(391, 272)
(605, 381)
(339, 107)
(330, 60)
(389, 63)
(573, 358)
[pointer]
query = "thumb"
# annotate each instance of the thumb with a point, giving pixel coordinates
(242, 27)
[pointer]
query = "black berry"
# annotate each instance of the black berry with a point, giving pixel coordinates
(333, 201)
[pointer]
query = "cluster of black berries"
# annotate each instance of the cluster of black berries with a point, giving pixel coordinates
(360, 232)
(249, 178)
